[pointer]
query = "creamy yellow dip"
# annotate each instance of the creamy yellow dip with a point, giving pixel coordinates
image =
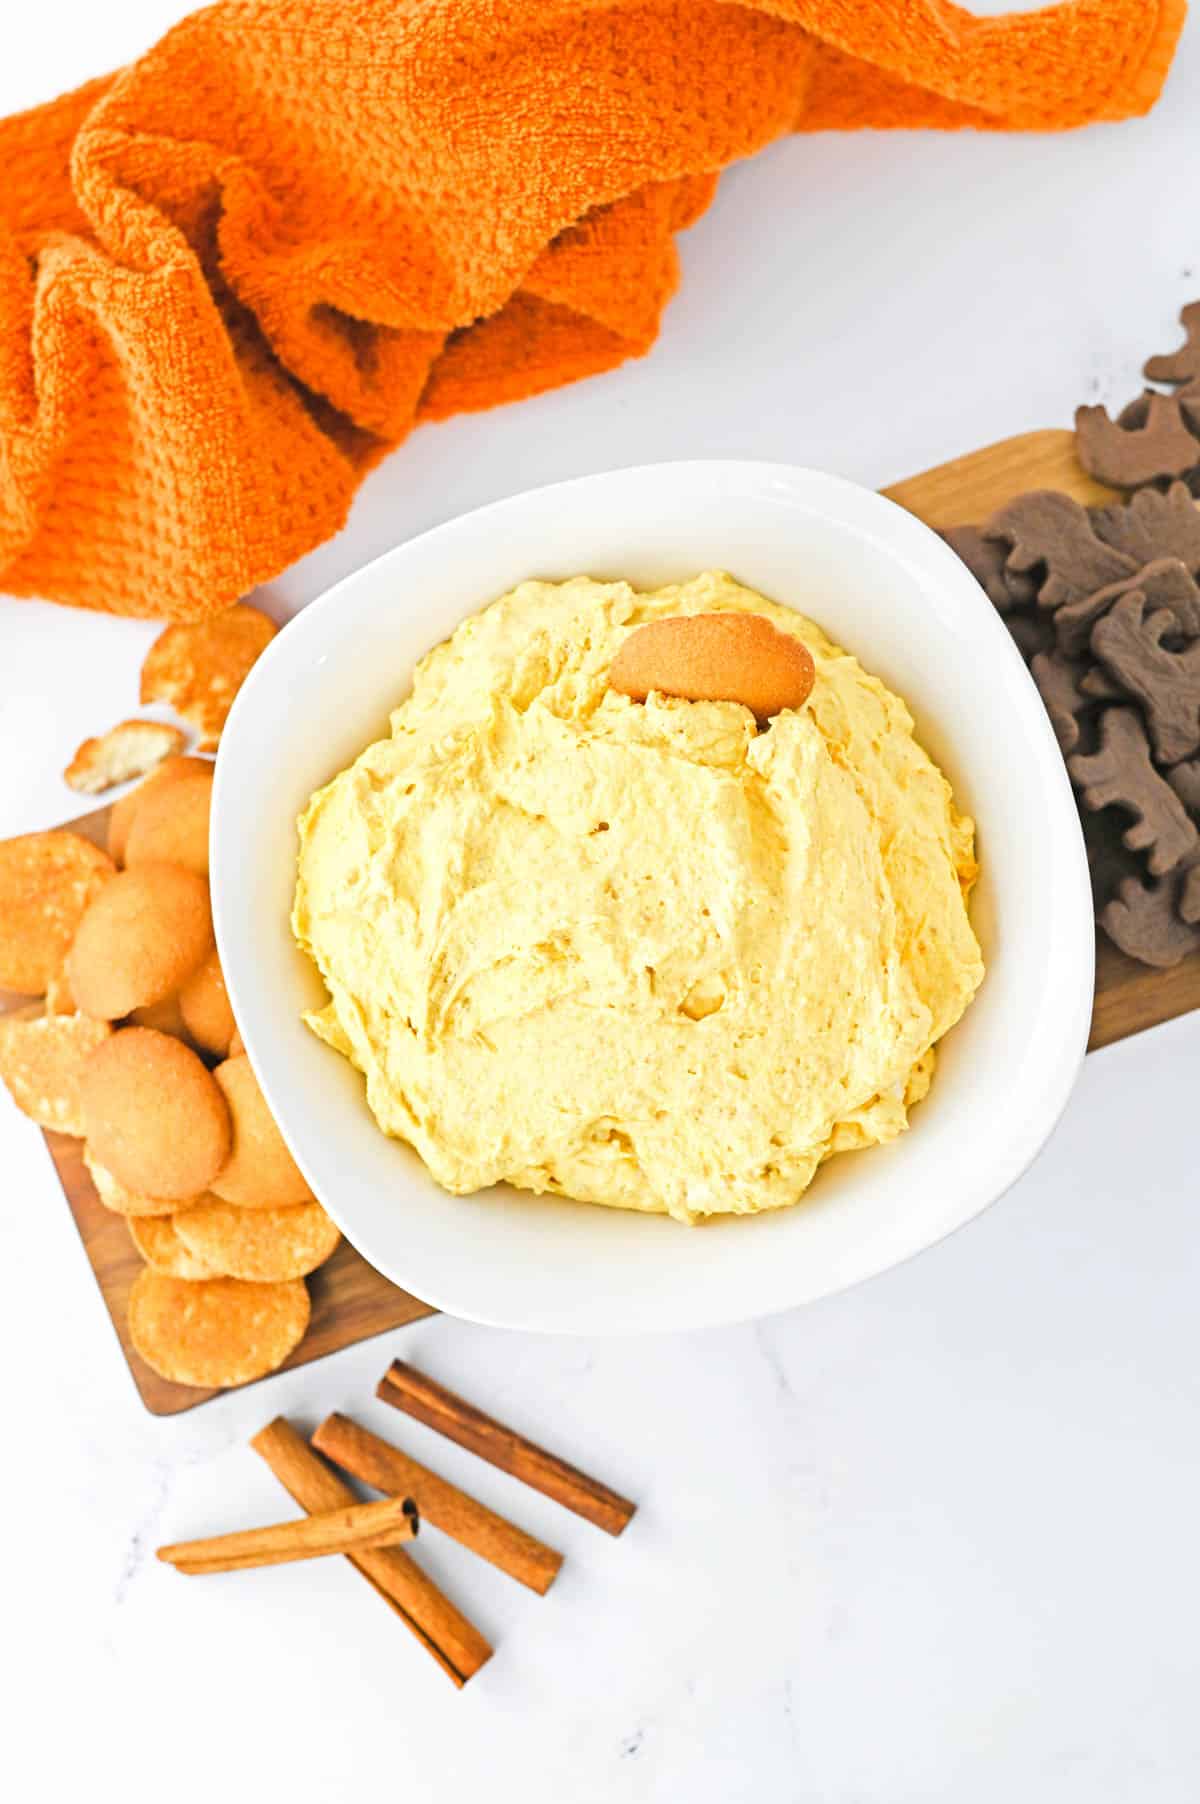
(640, 954)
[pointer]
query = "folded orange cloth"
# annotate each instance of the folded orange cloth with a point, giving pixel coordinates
(235, 274)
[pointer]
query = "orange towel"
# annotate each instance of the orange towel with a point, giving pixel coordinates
(235, 274)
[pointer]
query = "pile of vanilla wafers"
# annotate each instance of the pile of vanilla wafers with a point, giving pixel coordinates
(128, 1041)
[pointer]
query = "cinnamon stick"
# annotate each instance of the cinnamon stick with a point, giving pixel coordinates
(451, 1415)
(361, 1526)
(457, 1646)
(377, 1462)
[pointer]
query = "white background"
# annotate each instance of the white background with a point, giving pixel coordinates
(934, 1540)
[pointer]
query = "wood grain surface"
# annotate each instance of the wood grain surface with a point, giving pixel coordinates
(351, 1302)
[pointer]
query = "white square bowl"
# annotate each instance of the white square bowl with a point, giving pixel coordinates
(887, 588)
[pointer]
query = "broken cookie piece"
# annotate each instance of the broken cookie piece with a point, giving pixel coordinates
(124, 752)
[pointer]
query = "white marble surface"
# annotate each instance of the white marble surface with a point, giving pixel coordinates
(934, 1540)
(930, 1541)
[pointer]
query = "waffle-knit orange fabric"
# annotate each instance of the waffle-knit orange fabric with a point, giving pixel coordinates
(237, 272)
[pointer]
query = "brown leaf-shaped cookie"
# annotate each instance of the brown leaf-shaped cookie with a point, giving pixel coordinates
(1058, 678)
(1051, 533)
(1143, 919)
(1165, 583)
(1150, 443)
(1153, 524)
(1128, 641)
(1182, 366)
(1120, 775)
(1185, 781)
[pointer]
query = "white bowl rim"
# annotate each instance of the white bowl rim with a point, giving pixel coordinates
(1075, 973)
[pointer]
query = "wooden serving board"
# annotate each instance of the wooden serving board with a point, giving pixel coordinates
(351, 1302)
